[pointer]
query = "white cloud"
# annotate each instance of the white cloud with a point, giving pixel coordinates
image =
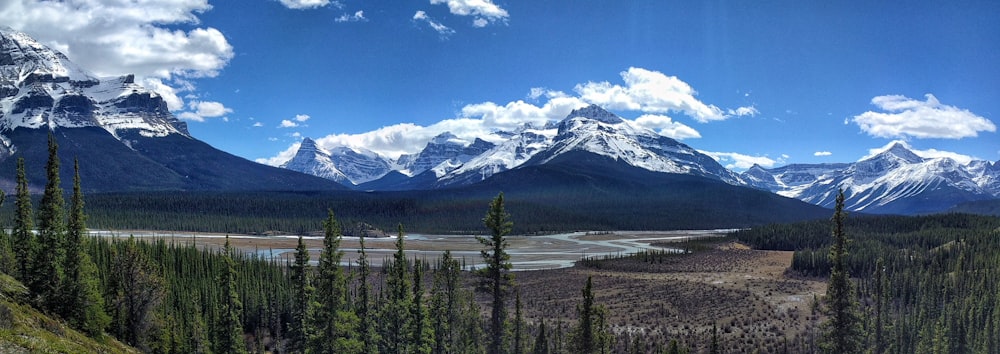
(301, 117)
(307, 4)
(484, 11)
(738, 161)
(927, 154)
(743, 111)
(199, 110)
(651, 92)
(114, 38)
(667, 127)
(357, 17)
(285, 123)
(906, 117)
(822, 153)
(440, 28)
(257, 124)
(514, 114)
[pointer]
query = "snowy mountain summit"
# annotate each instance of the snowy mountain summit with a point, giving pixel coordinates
(893, 180)
(41, 87)
(448, 160)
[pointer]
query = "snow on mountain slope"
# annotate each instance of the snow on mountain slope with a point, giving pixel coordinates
(893, 180)
(40, 87)
(516, 150)
(315, 161)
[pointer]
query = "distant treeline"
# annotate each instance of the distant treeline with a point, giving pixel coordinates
(927, 284)
(446, 212)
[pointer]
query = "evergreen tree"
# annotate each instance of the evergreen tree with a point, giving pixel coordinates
(25, 242)
(421, 331)
(541, 341)
(49, 260)
(591, 334)
(335, 324)
(396, 316)
(368, 326)
(302, 290)
(842, 329)
(8, 261)
(519, 342)
(136, 287)
(496, 277)
(83, 304)
(713, 348)
(230, 330)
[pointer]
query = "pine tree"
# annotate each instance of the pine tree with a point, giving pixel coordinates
(496, 277)
(396, 316)
(541, 341)
(591, 334)
(335, 324)
(136, 287)
(8, 261)
(23, 235)
(49, 260)
(842, 329)
(230, 335)
(83, 304)
(421, 330)
(368, 326)
(302, 290)
(714, 346)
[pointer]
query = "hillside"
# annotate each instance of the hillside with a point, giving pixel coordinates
(25, 330)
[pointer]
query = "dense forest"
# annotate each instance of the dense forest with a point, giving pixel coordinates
(925, 284)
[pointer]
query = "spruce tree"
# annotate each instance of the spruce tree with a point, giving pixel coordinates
(541, 341)
(421, 330)
(444, 303)
(496, 278)
(842, 329)
(302, 290)
(591, 334)
(335, 324)
(23, 235)
(519, 342)
(396, 316)
(83, 304)
(368, 325)
(136, 287)
(230, 330)
(8, 261)
(49, 260)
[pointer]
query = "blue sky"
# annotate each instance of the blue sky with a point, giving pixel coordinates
(769, 82)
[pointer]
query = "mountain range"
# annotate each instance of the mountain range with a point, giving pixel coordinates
(895, 180)
(122, 133)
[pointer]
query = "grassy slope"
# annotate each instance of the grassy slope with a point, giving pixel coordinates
(24, 329)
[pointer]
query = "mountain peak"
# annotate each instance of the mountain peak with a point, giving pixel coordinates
(595, 112)
(446, 138)
(897, 150)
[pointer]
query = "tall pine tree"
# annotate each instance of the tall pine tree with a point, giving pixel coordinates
(421, 330)
(23, 235)
(49, 260)
(8, 261)
(368, 325)
(496, 278)
(302, 292)
(842, 329)
(230, 331)
(335, 324)
(396, 315)
(83, 304)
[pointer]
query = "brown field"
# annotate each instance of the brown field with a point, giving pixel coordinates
(746, 293)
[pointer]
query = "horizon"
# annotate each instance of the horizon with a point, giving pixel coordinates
(771, 84)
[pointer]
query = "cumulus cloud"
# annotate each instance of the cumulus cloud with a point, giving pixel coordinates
(651, 92)
(517, 113)
(822, 153)
(927, 154)
(906, 117)
(302, 117)
(307, 4)
(484, 12)
(356, 17)
(114, 38)
(199, 110)
(743, 111)
(667, 127)
(438, 27)
(257, 124)
(738, 161)
(285, 123)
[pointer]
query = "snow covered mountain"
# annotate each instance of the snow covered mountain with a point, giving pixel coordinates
(359, 166)
(895, 180)
(448, 161)
(123, 134)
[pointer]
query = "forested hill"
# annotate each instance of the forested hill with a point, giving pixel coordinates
(935, 278)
